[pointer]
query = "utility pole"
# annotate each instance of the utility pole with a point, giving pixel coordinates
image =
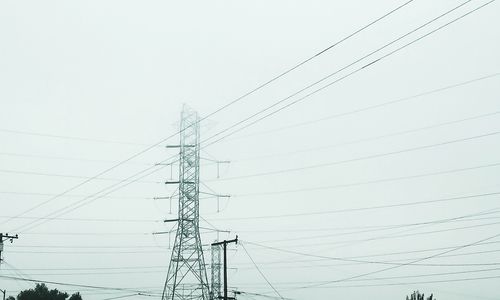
(5, 237)
(187, 275)
(224, 247)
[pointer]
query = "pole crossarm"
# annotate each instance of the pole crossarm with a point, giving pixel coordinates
(224, 242)
(5, 237)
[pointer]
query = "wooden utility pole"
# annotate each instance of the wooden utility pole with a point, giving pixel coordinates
(5, 237)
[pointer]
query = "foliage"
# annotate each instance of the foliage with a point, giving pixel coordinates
(76, 296)
(42, 292)
(417, 296)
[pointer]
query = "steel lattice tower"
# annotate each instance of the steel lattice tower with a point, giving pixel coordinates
(216, 291)
(187, 275)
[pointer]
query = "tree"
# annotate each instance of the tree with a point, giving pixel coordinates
(11, 298)
(76, 296)
(42, 292)
(417, 296)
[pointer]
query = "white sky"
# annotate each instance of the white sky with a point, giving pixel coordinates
(114, 75)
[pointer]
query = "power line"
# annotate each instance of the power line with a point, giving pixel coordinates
(467, 217)
(423, 233)
(127, 181)
(290, 239)
(368, 139)
(34, 173)
(322, 259)
(326, 85)
(312, 57)
(74, 284)
(263, 295)
(416, 283)
(484, 212)
(389, 262)
(397, 235)
(90, 233)
(338, 71)
(439, 221)
(87, 292)
(474, 253)
(419, 251)
(124, 270)
(376, 181)
(89, 252)
(125, 296)
(214, 112)
(264, 263)
(85, 220)
(84, 182)
(357, 260)
(374, 207)
(88, 199)
(97, 268)
(107, 190)
(365, 228)
(65, 137)
(77, 159)
(66, 196)
(260, 272)
(361, 229)
(328, 164)
(159, 271)
(404, 264)
(66, 158)
(363, 109)
(147, 149)
(17, 271)
(87, 246)
(393, 236)
(390, 53)
(404, 276)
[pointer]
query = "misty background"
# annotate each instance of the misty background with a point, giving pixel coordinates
(398, 161)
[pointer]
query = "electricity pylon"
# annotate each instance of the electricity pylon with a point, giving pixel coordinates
(187, 275)
(216, 291)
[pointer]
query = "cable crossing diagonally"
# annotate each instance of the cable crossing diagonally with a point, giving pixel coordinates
(337, 72)
(238, 99)
(321, 165)
(359, 69)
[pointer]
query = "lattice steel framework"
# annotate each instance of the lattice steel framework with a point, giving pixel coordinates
(187, 275)
(216, 291)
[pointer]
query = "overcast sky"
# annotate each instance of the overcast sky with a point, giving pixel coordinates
(391, 163)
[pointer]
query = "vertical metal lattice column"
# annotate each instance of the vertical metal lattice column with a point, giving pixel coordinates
(187, 275)
(216, 266)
